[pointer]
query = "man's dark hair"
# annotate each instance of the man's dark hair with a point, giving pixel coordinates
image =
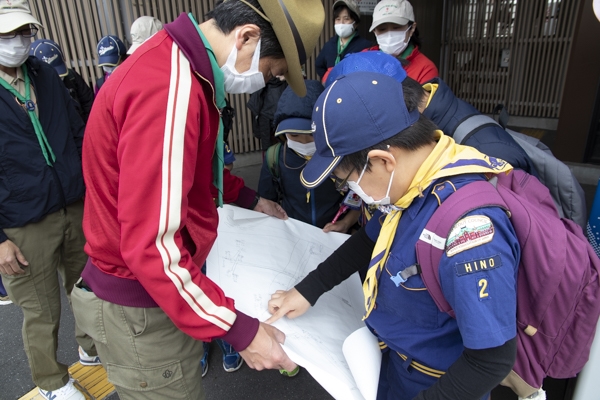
(414, 94)
(419, 134)
(341, 7)
(232, 13)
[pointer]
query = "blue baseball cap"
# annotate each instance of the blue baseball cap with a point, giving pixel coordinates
(294, 113)
(49, 52)
(355, 112)
(110, 51)
(368, 61)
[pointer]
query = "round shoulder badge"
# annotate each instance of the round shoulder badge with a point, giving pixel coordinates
(469, 232)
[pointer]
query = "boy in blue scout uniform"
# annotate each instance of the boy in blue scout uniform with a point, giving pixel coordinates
(315, 206)
(396, 159)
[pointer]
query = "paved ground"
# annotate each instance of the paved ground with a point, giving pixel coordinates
(15, 379)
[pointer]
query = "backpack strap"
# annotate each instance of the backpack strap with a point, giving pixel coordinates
(432, 242)
(471, 125)
(272, 157)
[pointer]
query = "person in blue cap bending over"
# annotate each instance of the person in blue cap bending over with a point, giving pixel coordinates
(51, 53)
(396, 159)
(283, 162)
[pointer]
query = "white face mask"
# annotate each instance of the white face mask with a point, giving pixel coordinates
(244, 82)
(109, 70)
(306, 149)
(344, 30)
(14, 52)
(392, 42)
(354, 186)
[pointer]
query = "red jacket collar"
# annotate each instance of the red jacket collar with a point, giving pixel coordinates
(184, 33)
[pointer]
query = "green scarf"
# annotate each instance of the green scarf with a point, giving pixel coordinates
(219, 89)
(340, 48)
(35, 121)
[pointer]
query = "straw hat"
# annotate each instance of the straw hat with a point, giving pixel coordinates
(297, 25)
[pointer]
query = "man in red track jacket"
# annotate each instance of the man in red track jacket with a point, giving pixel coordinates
(150, 219)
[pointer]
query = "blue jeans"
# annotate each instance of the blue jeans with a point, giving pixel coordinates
(2, 290)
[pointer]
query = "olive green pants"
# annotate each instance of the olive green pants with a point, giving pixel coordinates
(145, 355)
(52, 246)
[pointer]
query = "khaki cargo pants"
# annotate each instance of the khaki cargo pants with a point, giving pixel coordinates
(145, 355)
(52, 246)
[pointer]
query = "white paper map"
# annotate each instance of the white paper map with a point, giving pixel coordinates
(255, 255)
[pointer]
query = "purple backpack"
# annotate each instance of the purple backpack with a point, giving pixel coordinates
(558, 295)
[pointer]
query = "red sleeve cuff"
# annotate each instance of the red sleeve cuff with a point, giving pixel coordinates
(245, 197)
(242, 332)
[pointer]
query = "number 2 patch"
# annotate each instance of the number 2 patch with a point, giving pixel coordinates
(483, 288)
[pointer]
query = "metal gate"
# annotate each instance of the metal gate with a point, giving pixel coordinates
(511, 52)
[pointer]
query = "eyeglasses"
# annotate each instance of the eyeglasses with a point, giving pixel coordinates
(27, 32)
(340, 184)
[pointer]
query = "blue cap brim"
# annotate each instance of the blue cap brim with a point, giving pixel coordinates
(318, 169)
(108, 60)
(296, 126)
(61, 69)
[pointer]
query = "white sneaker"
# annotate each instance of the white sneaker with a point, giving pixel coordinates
(85, 359)
(5, 300)
(67, 392)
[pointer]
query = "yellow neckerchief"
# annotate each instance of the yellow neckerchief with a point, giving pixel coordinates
(431, 88)
(446, 159)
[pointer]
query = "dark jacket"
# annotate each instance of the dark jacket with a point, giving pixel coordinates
(262, 105)
(328, 54)
(29, 188)
(447, 111)
(81, 92)
(315, 206)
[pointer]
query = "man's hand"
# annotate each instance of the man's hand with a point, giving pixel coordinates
(270, 208)
(9, 255)
(290, 303)
(265, 352)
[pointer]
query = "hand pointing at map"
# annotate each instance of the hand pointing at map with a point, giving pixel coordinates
(287, 302)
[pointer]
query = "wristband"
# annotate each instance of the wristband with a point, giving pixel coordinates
(255, 202)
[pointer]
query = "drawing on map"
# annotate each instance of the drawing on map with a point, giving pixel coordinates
(255, 255)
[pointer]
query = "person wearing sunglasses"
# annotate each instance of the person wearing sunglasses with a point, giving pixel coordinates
(41, 192)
